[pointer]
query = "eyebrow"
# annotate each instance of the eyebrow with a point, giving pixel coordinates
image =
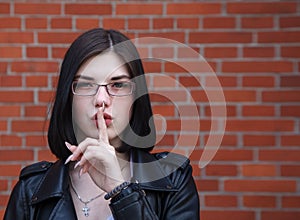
(91, 78)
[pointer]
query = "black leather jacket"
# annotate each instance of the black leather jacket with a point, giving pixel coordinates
(162, 191)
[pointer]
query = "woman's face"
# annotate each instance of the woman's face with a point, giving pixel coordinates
(101, 69)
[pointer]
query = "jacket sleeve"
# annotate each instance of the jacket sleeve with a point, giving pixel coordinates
(130, 203)
(182, 204)
(15, 208)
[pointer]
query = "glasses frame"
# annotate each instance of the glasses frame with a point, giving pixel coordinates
(106, 88)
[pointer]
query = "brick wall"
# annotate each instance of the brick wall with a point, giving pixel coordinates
(254, 48)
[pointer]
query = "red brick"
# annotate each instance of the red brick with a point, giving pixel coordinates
(184, 125)
(281, 96)
(189, 67)
(188, 140)
(16, 96)
(46, 96)
(4, 8)
(46, 155)
(116, 23)
(207, 185)
(16, 37)
(220, 201)
(86, 23)
(220, 52)
(280, 215)
(36, 140)
(36, 81)
(290, 170)
(290, 81)
(37, 8)
(227, 214)
(28, 125)
(257, 67)
(254, 170)
(258, 52)
(10, 52)
(289, 22)
(61, 23)
(260, 185)
(290, 201)
(193, 8)
(57, 37)
(292, 52)
(3, 125)
(36, 23)
(188, 23)
(279, 155)
(261, 8)
(152, 67)
(3, 185)
(35, 111)
(230, 95)
(219, 22)
(166, 140)
(139, 9)
(233, 155)
(230, 110)
(220, 37)
(258, 81)
(10, 140)
(34, 66)
(163, 52)
(88, 9)
(10, 22)
(279, 37)
(221, 170)
(225, 81)
(257, 22)
(16, 155)
(139, 24)
(189, 81)
(10, 111)
(290, 140)
(3, 67)
(163, 23)
(10, 81)
(10, 170)
(260, 125)
(177, 36)
(259, 201)
(58, 52)
(290, 110)
(259, 140)
(37, 52)
(164, 110)
(258, 110)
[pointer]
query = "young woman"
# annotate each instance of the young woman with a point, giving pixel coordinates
(102, 131)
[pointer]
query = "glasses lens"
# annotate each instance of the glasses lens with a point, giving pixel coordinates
(120, 88)
(84, 88)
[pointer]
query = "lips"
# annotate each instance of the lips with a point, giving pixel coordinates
(107, 119)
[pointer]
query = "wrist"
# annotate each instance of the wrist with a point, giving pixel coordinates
(115, 191)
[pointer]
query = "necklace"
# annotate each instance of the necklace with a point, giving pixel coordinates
(85, 208)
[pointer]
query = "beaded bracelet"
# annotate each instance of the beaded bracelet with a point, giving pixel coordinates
(116, 190)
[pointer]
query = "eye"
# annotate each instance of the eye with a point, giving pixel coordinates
(82, 85)
(120, 85)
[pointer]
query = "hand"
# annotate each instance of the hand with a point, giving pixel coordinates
(98, 158)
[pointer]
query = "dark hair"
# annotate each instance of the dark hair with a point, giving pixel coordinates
(87, 45)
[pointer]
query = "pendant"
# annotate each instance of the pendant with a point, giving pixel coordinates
(86, 210)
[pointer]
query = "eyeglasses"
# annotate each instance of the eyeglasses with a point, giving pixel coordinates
(118, 88)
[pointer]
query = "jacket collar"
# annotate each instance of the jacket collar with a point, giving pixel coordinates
(147, 171)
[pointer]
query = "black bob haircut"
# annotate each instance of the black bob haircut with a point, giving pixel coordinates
(140, 133)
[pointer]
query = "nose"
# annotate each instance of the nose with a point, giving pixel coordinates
(102, 97)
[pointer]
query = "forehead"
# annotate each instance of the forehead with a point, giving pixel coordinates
(103, 67)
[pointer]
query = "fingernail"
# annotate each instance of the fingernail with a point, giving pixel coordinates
(69, 159)
(68, 145)
(76, 165)
(80, 172)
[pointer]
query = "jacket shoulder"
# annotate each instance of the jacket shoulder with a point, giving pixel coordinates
(173, 159)
(34, 169)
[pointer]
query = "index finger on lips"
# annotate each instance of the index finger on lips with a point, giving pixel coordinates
(102, 129)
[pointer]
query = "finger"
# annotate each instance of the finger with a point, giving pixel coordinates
(103, 136)
(81, 148)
